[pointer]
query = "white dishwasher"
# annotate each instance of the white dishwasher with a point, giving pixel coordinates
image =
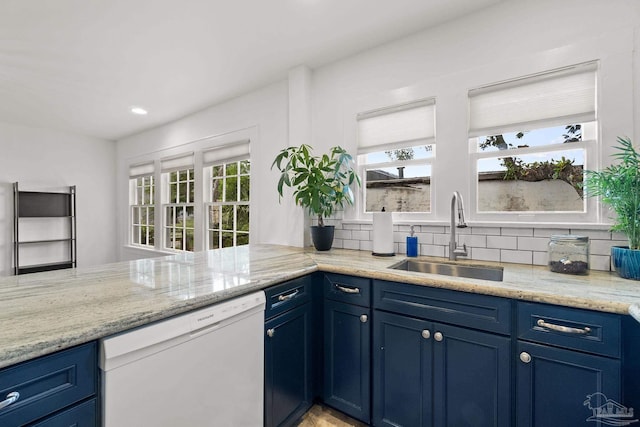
(204, 368)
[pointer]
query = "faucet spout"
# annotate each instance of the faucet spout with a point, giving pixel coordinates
(457, 206)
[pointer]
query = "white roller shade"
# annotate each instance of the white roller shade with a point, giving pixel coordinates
(141, 169)
(226, 153)
(397, 127)
(557, 98)
(174, 163)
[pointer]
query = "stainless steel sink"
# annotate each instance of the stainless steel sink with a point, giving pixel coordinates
(449, 269)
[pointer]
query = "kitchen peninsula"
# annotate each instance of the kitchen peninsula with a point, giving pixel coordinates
(54, 310)
(583, 326)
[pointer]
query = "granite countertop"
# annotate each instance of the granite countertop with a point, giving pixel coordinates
(46, 312)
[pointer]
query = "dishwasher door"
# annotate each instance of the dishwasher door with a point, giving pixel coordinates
(204, 368)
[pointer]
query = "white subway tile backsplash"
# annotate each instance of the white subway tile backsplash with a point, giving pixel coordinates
(351, 226)
(432, 250)
(351, 244)
(548, 232)
(342, 234)
(507, 244)
(360, 235)
(533, 243)
(540, 258)
(441, 239)
(485, 254)
(487, 231)
(473, 240)
(517, 231)
(502, 242)
(592, 234)
(366, 245)
(519, 257)
(618, 236)
(600, 262)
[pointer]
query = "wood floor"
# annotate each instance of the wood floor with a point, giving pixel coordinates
(322, 416)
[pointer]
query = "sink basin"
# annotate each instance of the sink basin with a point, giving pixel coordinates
(456, 270)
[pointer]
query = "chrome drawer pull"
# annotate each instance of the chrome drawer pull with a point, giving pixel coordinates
(565, 329)
(11, 397)
(347, 290)
(288, 296)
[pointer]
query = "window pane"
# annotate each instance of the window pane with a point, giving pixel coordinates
(244, 188)
(242, 239)
(182, 192)
(216, 190)
(214, 237)
(135, 234)
(227, 217)
(227, 239)
(243, 218)
(231, 189)
(189, 219)
(135, 215)
(214, 217)
(541, 182)
(189, 239)
(534, 138)
(217, 170)
(231, 168)
(410, 153)
(245, 167)
(151, 241)
(399, 189)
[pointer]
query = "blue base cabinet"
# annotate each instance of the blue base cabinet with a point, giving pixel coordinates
(430, 373)
(427, 373)
(288, 353)
(553, 385)
(347, 345)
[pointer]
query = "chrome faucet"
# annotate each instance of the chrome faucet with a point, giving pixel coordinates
(454, 249)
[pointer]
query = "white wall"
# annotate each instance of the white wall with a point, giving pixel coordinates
(512, 39)
(48, 160)
(266, 111)
(506, 41)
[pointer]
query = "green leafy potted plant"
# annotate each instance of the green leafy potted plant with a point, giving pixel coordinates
(320, 184)
(618, 186)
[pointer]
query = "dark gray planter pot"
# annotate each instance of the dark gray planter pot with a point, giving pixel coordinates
(322, 237)
(626, 262)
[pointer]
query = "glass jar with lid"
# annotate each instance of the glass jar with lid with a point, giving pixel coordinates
(569, 254)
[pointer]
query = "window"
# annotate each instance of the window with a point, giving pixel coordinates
(396, 149)
(228, 170)
(531, 139)
(179, 188)
(142, 188)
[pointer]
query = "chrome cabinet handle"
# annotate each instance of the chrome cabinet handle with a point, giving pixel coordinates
(438, 336)
(288, 296)
(347, 290)
(271, 332)
(525, 357)
(11, 397)
(364, 318)
(426, 334)
(565, 329)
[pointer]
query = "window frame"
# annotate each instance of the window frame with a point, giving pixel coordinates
(175, 205)
(134, 190)
(210, 203)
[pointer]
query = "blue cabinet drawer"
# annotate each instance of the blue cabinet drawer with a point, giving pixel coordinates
(286, 296)
(48, 384)
(81, 415)
(348, 289)
(573, 328)
(483, 312)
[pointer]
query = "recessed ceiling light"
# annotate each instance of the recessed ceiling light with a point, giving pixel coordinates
(138, 110)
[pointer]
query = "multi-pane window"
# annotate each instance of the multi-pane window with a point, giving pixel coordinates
(228, 211)
(396, 150)
(179, 211)
(142, 211)
(530, 140)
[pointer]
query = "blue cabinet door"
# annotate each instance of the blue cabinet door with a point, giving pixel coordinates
(288, 385)
(471, 377)
(402, 371)
(347, 355)
(558, 387)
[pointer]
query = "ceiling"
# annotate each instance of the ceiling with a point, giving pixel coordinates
(80, 65)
